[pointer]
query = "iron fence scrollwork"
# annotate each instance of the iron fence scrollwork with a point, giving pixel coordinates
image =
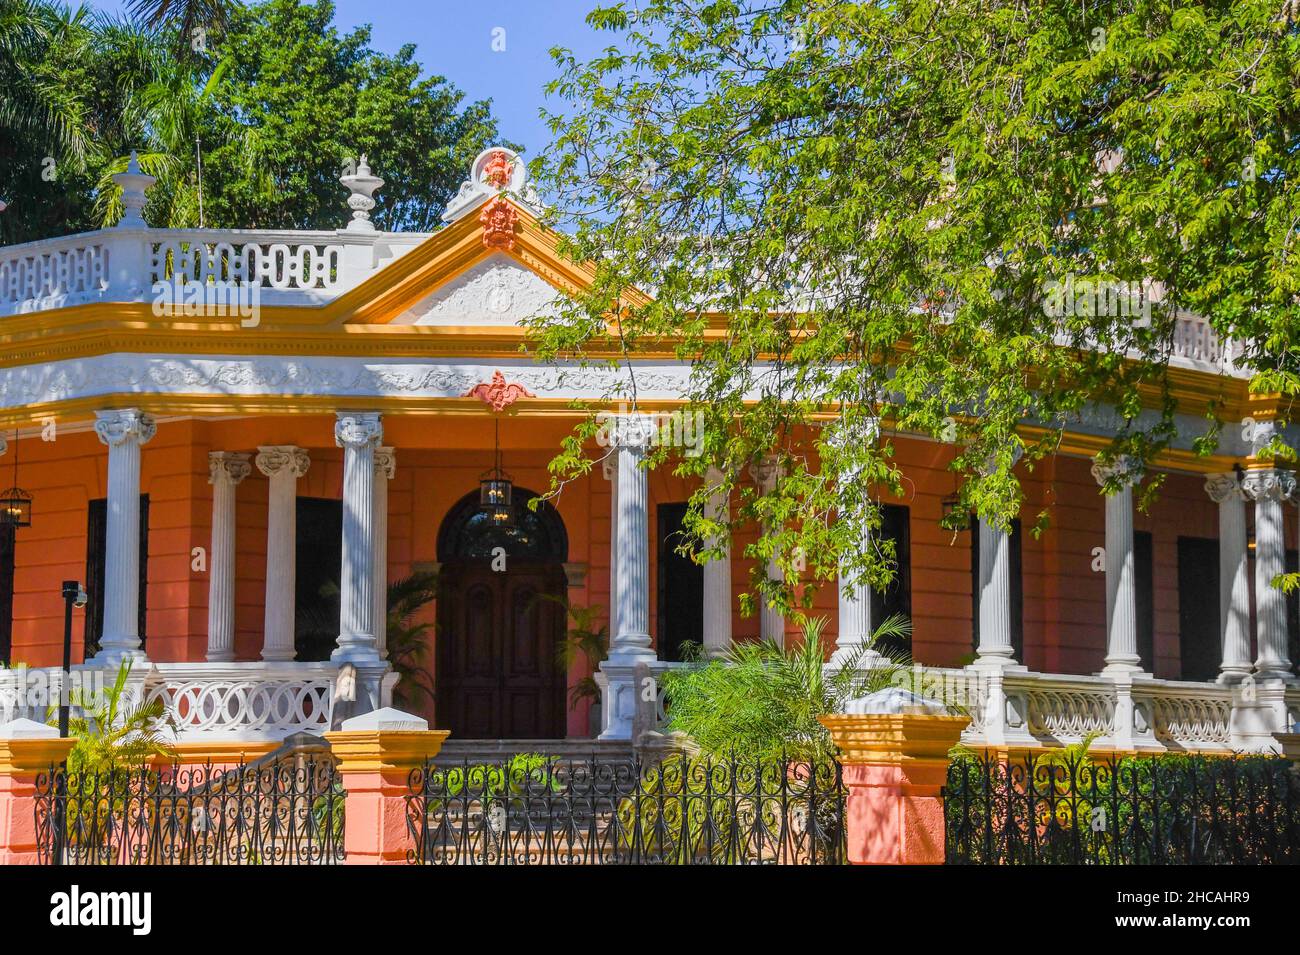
(1068, 808)
(681, 810)
(289, 812)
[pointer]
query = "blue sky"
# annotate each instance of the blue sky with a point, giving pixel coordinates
(454, 38)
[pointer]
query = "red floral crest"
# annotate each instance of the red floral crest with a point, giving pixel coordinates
(498, 392)
(499, 220)
(498, 170)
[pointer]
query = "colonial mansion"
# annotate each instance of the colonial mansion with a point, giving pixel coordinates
(237, 481)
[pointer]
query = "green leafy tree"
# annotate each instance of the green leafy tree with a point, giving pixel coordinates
(315, 100)
(274, 99)
(761, 701)
(852, 213)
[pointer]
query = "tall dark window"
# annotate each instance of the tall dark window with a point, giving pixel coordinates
(1144, 597)
(319, 571)
(681, 587)
(1198, 608)
(1016, 573)
(96, 554)
(6, 593)
(895, 525)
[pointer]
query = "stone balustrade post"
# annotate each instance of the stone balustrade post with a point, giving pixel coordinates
(377, 753)
(894, 749)
(28, 750)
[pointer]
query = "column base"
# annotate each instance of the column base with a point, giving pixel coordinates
(1125, 668)
(356, 648)
(854, 653)
(279, 656)
(220, 656)
(1005, 664)
(1230, 676)
(110, 656)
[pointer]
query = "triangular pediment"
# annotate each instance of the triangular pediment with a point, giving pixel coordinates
(467, 276)
(496, 291)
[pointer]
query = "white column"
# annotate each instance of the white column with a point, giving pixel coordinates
(358, 434)
(995, 648)
(629, 649)
(225, 471)
(283, 464)
(385, 467)
(717, 576)
(1268, 488)
(124, 431)
(1121, 585)
(771, 624)
(1234, 581)
(609, 468)
(632, 641)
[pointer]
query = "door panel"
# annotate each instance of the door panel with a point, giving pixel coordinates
(497, 639)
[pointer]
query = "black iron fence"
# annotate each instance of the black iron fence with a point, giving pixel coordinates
(539, 810)
(1068, 808)
(290, 812)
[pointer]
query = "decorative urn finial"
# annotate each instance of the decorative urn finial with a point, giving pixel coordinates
(363, 187)
(494, 172)
(134, 183)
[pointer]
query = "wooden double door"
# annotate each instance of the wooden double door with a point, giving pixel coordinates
(499, 633)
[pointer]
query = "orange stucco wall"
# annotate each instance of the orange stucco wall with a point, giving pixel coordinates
(439, 459)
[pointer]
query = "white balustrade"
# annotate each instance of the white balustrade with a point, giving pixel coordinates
(243, 701)
(53, 273)
(298, 260)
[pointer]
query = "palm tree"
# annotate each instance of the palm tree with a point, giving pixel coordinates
(761, 701)
(184, 16)
(35, 101)
(113, 731)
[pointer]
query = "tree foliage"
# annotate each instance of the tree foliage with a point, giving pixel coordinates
(849, 213)
(274, 99)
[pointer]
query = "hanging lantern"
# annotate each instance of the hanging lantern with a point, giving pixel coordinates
(496, 490)
(15, 503)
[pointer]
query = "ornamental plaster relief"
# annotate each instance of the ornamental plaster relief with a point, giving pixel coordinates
(331, 377)
(497, 291)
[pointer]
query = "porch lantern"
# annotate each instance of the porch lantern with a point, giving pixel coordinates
(15, 503)
(496, 489)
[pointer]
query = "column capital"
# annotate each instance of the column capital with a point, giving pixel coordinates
(272, 459)
(229, 467)
(1017, 452)
(631, 430)
(356, 429)
(766, 471)
(1223, 487)
(120, 425)
(1263, 484)
(386, 462)
(1127, 470)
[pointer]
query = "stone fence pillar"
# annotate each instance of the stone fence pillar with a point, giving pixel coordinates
(376, 753)
(894, 749)
(27, 749)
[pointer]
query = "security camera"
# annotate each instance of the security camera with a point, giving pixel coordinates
(72, 590)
